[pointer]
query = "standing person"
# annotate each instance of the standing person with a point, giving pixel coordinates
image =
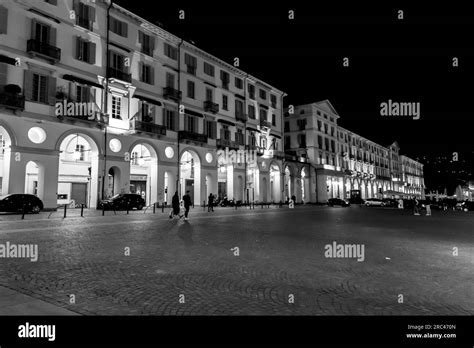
(174, 205)
(416, 211)
(187, 204)
(428, 207)
(210, 203)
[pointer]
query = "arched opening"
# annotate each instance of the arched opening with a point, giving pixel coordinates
(5, 153)
(190, 176)
(144, 172)
(222, 174)
(34, 179)
(113, 187)
(275, 183)
(78, 172)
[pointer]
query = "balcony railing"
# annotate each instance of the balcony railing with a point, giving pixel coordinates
(265, 123)
(171, 93)
(12, 101)
(211, 106)
(185, 135)
(148, 127)
(119, 75)
(240, 116)
(43, 49)
(223, 143)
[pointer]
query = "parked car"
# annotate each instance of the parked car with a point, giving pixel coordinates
(337, 201)
(15, 202)
(123, 201)
(370, 202)
(390, 202)
(356, 200)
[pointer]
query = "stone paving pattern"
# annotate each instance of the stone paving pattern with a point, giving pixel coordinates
(281, 253)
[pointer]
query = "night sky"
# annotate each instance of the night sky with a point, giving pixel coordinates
(406, 61)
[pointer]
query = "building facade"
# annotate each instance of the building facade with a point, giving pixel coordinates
(96, 101)
(324, 160)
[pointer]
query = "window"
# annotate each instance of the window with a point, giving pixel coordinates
(210, 129)
(239, 83)
(191, 88)
(301, 124)
(318, 113)
(320, 141)
(118, 27)
(147, 74)
(239, 107)
(333, 146)
(287, 126)
(134, 158)
(209, 95)
(225, 78)
(225, 132)
(332, 131)
(263, 94)
(83, 94)
(146, 112)
(263, 143)
(273, 120)
(326, 143)
(2, 145)
(326, 128)
(302, 140)
(85, 15)
(169, 117)
(239, 137)
(42, 32)
(147, 42)
(332, 119)
(287, 142)
(252, 112)
(273, 99)
(209, 69)
(170, 80)
(252, 139)
(325, 116)
(319, 125)
(170, 51)
(191, 63)
(80, 148)
(117, 61)
(40, 88)
(251, 90)
(85, 50)
(190, 123)
(116, 107)
(225, 102)
(3, 22)
(263, 114)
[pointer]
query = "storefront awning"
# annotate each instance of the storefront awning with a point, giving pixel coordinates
(8, 60)
(226, 122)
(193, 113)
(77, 79)
(148, 100)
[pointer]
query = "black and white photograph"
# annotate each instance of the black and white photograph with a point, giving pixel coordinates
(170, 164)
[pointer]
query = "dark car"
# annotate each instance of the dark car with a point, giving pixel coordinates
(356, 200)
(390, 202)
(337, 201)
(15, 202)
(128, 201)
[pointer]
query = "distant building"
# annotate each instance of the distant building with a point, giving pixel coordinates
(326, 161)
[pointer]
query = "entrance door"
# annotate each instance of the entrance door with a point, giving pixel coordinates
(79, 193)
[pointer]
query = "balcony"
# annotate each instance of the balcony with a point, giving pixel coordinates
(240, 116)
(43, 50)
(211, 107)
(171, 93)
(119, 75)
(223, 143)
(185, 135)
(265, 123)
(12, 101)
(148, 127)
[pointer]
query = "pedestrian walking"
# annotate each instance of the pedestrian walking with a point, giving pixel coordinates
(428, 208)
(187, 205)
(175, 206)
(416, 210)
(210, 203)
(400, 203)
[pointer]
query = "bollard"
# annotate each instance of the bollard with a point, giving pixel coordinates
(82, 210)
(23, 215)
(154, 208)
(262, 206)
(103, 209)
(236, 207)
(127, 208)
(65, 210)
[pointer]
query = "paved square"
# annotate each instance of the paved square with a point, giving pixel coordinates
(281, 253)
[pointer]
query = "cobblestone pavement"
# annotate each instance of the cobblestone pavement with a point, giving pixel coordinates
(281, 253)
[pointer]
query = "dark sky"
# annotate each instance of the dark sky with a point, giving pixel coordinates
(405, 61)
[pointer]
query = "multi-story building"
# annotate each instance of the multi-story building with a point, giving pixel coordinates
(96, 101)
(324, 160)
